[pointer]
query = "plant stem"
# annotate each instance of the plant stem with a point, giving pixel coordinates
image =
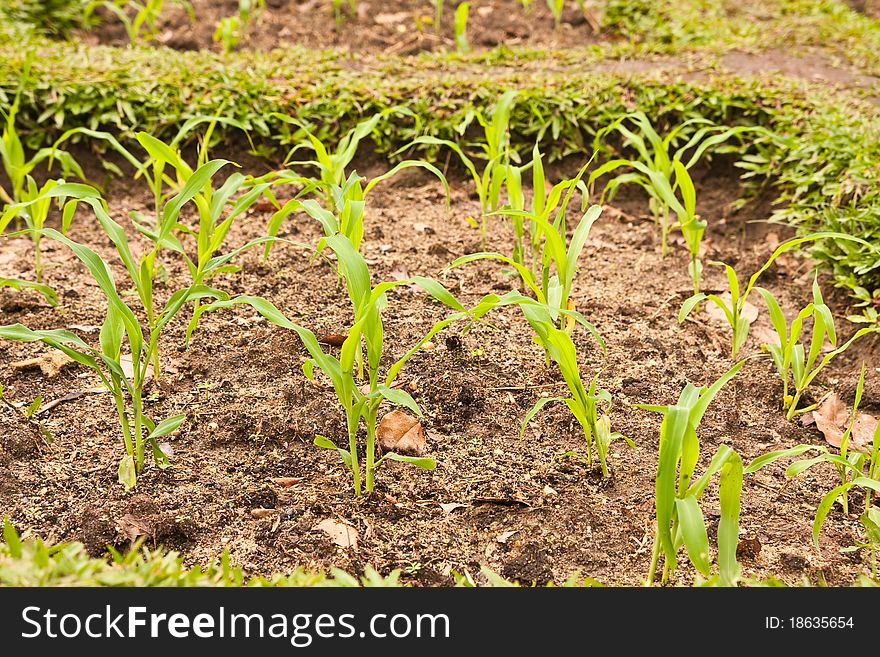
(792, 409)
(655, 558)
(353, 419)
(370, 417)
(664, 231)
(137, 405)
(38, 258)
(123, 417)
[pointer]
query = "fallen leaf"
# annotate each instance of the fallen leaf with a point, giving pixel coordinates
(263, 513)
(401, 433)
(340, 533)
(167, 449)
(765, 335)
(423, 228)
(400, 274)
(549, 490)
(286, 482)
(333, 339)
(750, 311)
(506, 536)
(127, 365)
(50, 364)
(833, 417)
(133, 527)
(452, 506)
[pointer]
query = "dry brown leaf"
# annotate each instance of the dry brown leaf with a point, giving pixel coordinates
(50, 363)
(765, 335)
(333, 339)
(452, 506)
(401, 433)
(340, 533)
(286, 482)
(133, 527)
(263, 513)
(833, 417)
(506, 536)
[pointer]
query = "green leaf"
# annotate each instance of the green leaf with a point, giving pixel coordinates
(166, 426)
(127, 474)
(693, 531)
(13, 542)
(423, 462)
(729, 494)
(766, 459)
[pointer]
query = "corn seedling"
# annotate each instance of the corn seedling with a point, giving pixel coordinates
(34, 211)
(496, 152)
(856, 469)
(588, 404)
(140, 19)
(230, 29)
(556, 7)
(332, 164)
(552, 281)
(680, 520)
(361, 403)
(792, 360)
(16, 164)
(734, 312)
(663, 173)
(28, 415)
(461, 19)
(195, 186)
(121, 323)
(438, 15)
(337, 10)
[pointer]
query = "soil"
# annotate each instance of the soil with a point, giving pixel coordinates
(518, 505)
(391, 26)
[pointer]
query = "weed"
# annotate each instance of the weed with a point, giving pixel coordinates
(140, 18)
(461, 18)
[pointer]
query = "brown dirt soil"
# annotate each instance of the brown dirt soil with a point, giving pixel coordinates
(523, 511)
(390, 26)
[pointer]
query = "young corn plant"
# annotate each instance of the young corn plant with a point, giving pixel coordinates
(661, 171)
(217, 207)
(438, 15)
(680, 520)
(855, 468)
(332, 164)
(588, 404)
(734, 311)
(140, 18)
(34, 208)
(16, 165)
(361, 402)
(337, 10)
(554, 257)
(230, 29)
(496, 152)
(120, 325)
(796, 365)
(461, 19)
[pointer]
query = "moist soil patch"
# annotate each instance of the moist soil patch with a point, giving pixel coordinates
(517, 505)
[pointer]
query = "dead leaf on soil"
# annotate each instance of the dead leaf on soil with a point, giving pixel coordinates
(506, 536)
(401, 433)
(833, 417)
(452, 506)
(133, 527)
(423, 228)
(127, 365)
(263, 513)
(340, 533)
(286, 482)
(750, 310)
(765, 335)
(333, 339)
(50, 364)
